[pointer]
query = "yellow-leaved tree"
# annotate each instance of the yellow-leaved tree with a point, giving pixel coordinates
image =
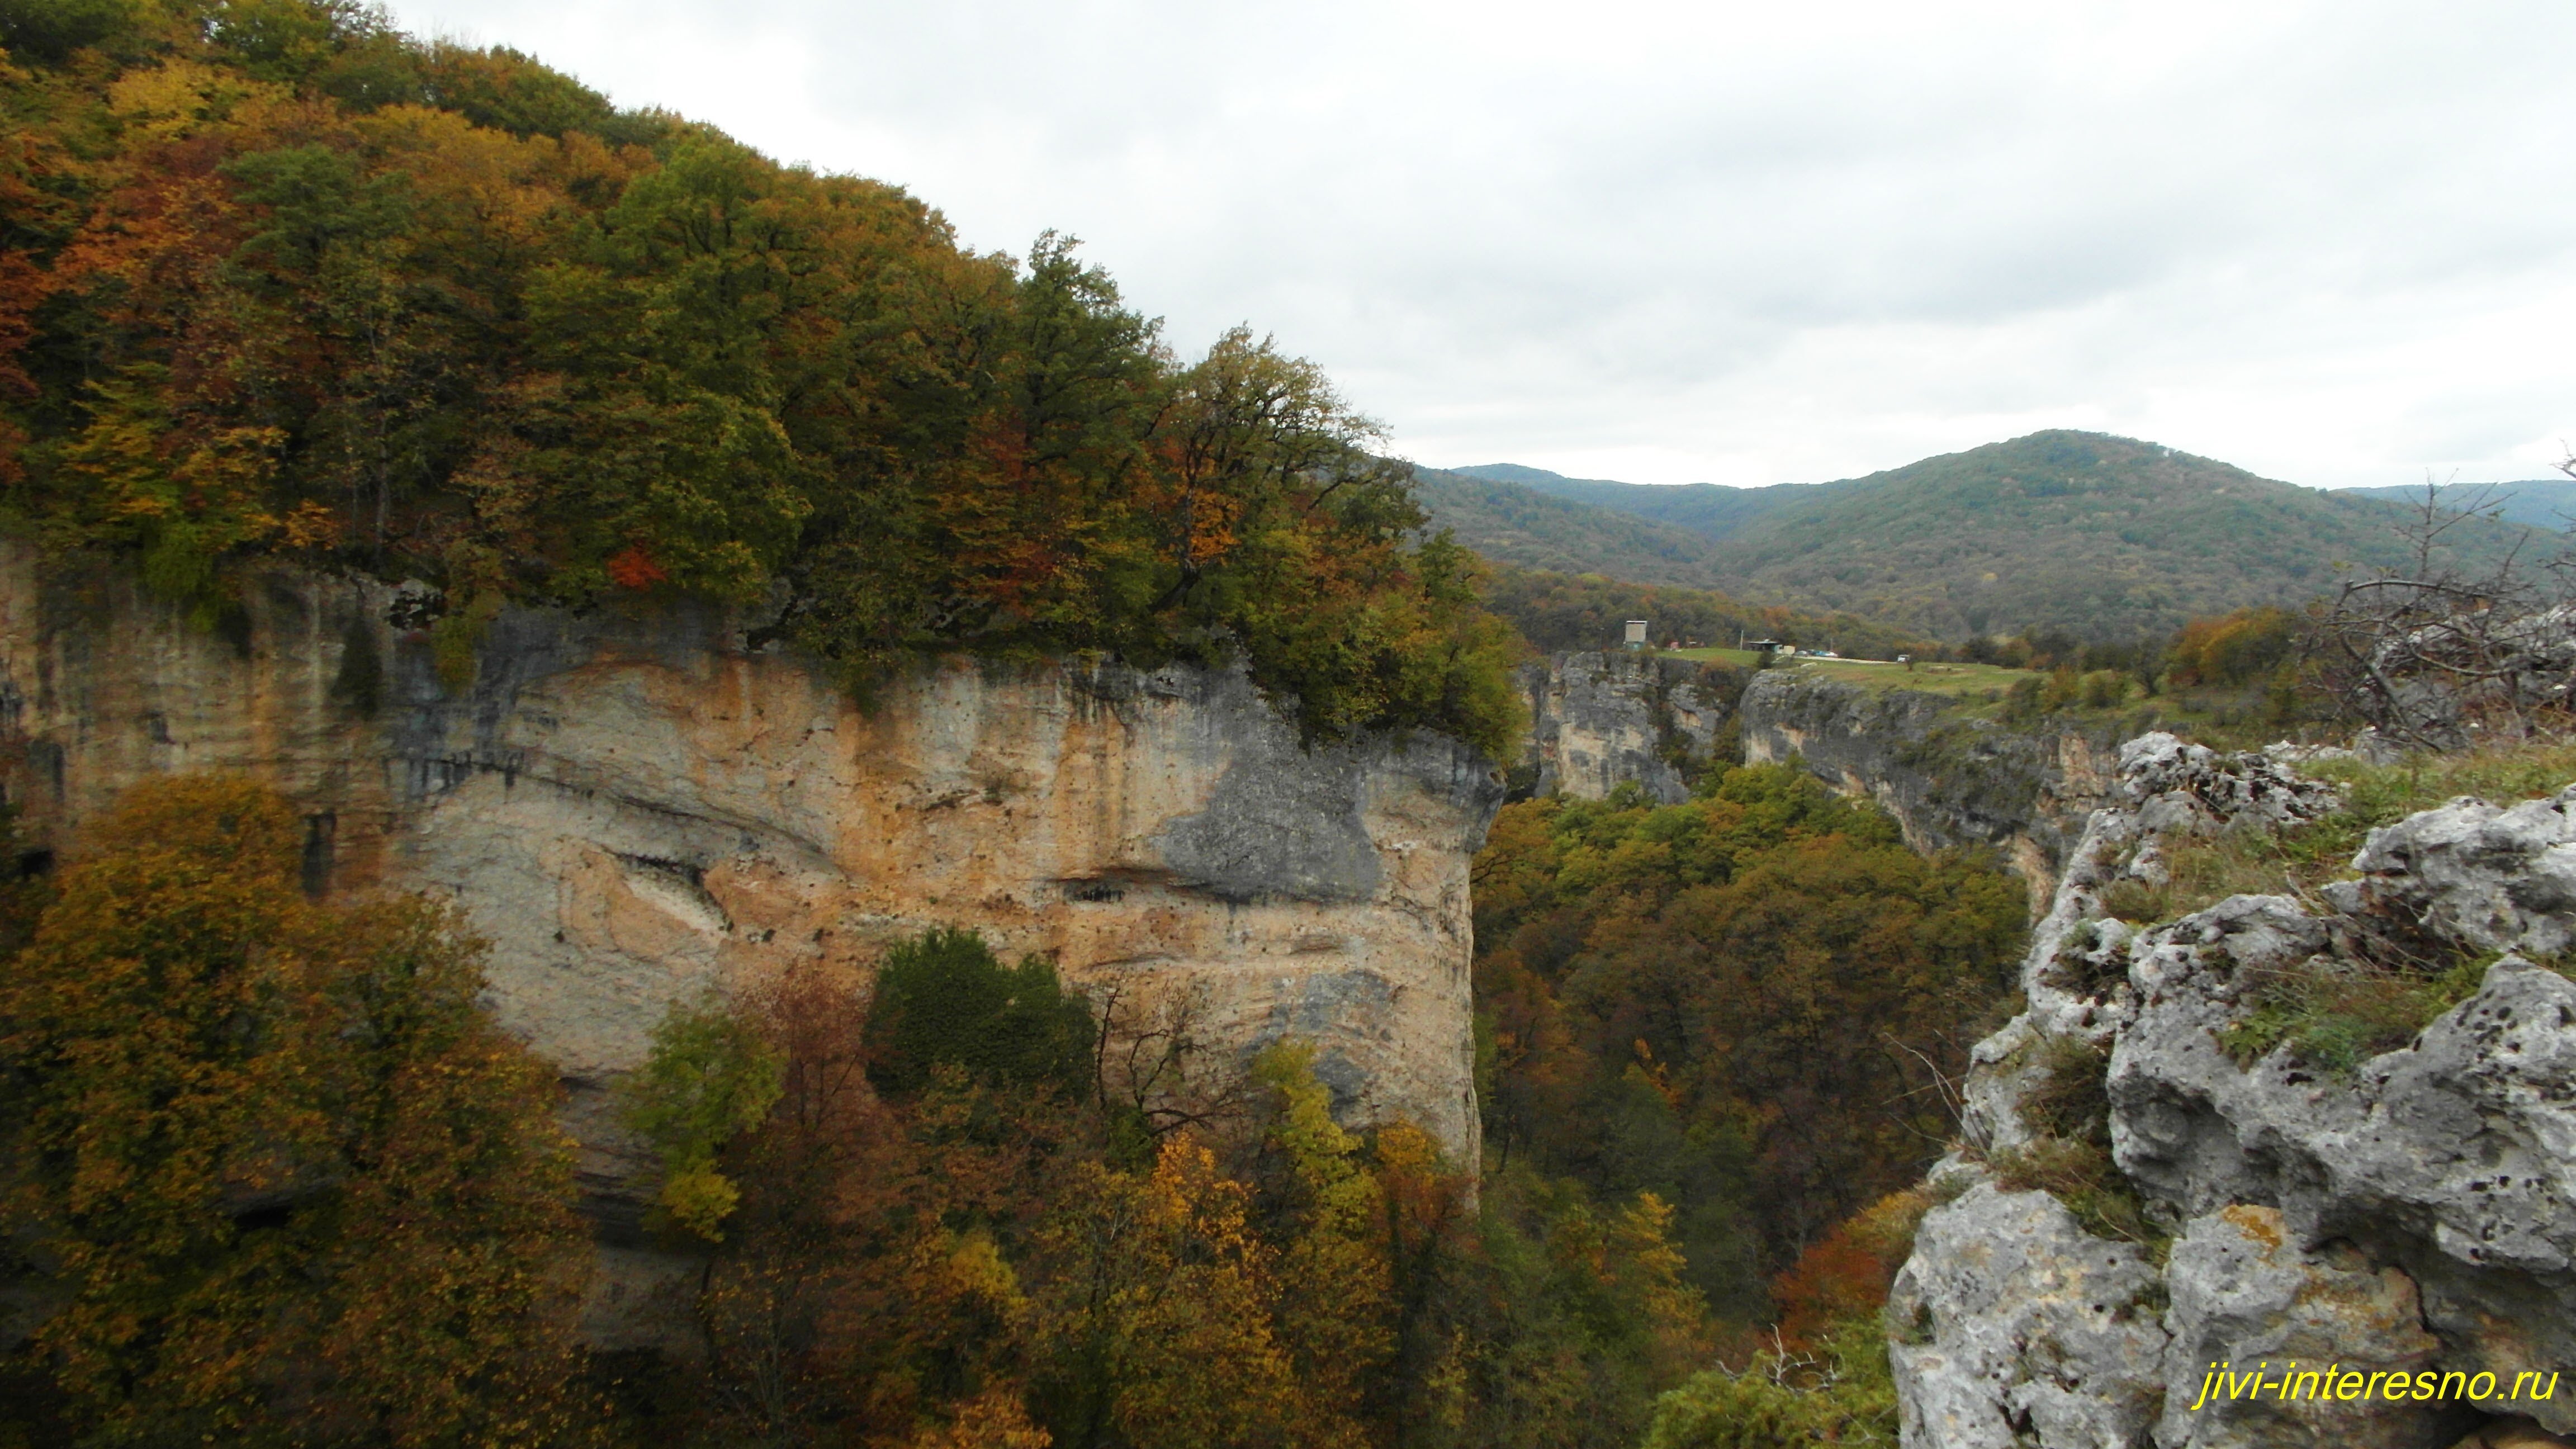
(287, 1181)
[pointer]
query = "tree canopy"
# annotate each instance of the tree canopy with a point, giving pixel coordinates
(1737, 1003)
(280, 282)
(277, 1177)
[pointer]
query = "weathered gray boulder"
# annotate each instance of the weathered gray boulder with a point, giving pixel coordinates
(2497, 877)
(2245, 1296)
(2417, 1212)
(2013, 1326)
(2167, 778)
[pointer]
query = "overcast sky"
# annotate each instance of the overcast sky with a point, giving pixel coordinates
(1737, 243)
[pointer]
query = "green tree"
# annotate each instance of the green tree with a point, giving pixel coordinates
(943, 1000)
(708, 1078)
(292, 1182)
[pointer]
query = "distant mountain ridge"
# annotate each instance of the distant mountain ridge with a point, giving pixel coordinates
(2101, 536)
(2537, 502)
(1711, 510)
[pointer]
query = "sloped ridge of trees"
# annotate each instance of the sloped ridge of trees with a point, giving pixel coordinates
(278, 282)
(2110, 538)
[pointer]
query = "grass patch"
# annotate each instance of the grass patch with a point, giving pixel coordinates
(2069, 1157)
(1956, 681)
(2204, 871)
(2334, 1019)
(1740, 658)
(2083, 1177)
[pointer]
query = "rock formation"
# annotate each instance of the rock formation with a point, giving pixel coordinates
(2415, 1214)
(633, 810)
(1600, 720)
(1948, 780)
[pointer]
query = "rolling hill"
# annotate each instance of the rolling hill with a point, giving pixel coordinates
(2105, 537)
(1707, 509)
(1515, 524)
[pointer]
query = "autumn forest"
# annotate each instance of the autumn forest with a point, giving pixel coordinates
(283, 287)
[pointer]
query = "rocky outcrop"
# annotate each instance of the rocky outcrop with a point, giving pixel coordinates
(633, 809)
(2412, 1215)
(1601, 720)
(1949, 779)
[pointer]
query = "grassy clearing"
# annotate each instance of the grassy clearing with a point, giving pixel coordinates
(1958, 681)
(1740, 658)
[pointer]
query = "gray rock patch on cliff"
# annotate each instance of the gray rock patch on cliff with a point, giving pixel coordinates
(1278, 825)
(1599, 720)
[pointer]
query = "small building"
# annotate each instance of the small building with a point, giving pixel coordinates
(1637, 633)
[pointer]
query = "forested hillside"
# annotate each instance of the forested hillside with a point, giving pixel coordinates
(1709, 510)
(1558, 612)
(2103, 537)
(1511, 524)
(280, 283)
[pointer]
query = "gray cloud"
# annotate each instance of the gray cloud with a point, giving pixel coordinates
(1740, 242)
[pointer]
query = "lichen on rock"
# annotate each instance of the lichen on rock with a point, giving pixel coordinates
(2415, 1211)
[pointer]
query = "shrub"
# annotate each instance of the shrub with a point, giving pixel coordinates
(1844, 1394)
(942, 999)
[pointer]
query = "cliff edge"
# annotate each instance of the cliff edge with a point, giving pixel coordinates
(634, 809)
(2272, 1199)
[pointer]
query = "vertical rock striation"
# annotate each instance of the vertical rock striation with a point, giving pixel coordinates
(1600, 720)
(633, 810)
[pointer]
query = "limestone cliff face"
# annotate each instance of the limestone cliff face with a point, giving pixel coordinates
(1599, 720)
(633, 809)
(1947, 780)
(2414, 1215)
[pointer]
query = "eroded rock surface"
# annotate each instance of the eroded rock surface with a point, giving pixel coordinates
(1948, 780)
(2013, 1326)
(2417, 1212)
(633, 809)
(1599, 720)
